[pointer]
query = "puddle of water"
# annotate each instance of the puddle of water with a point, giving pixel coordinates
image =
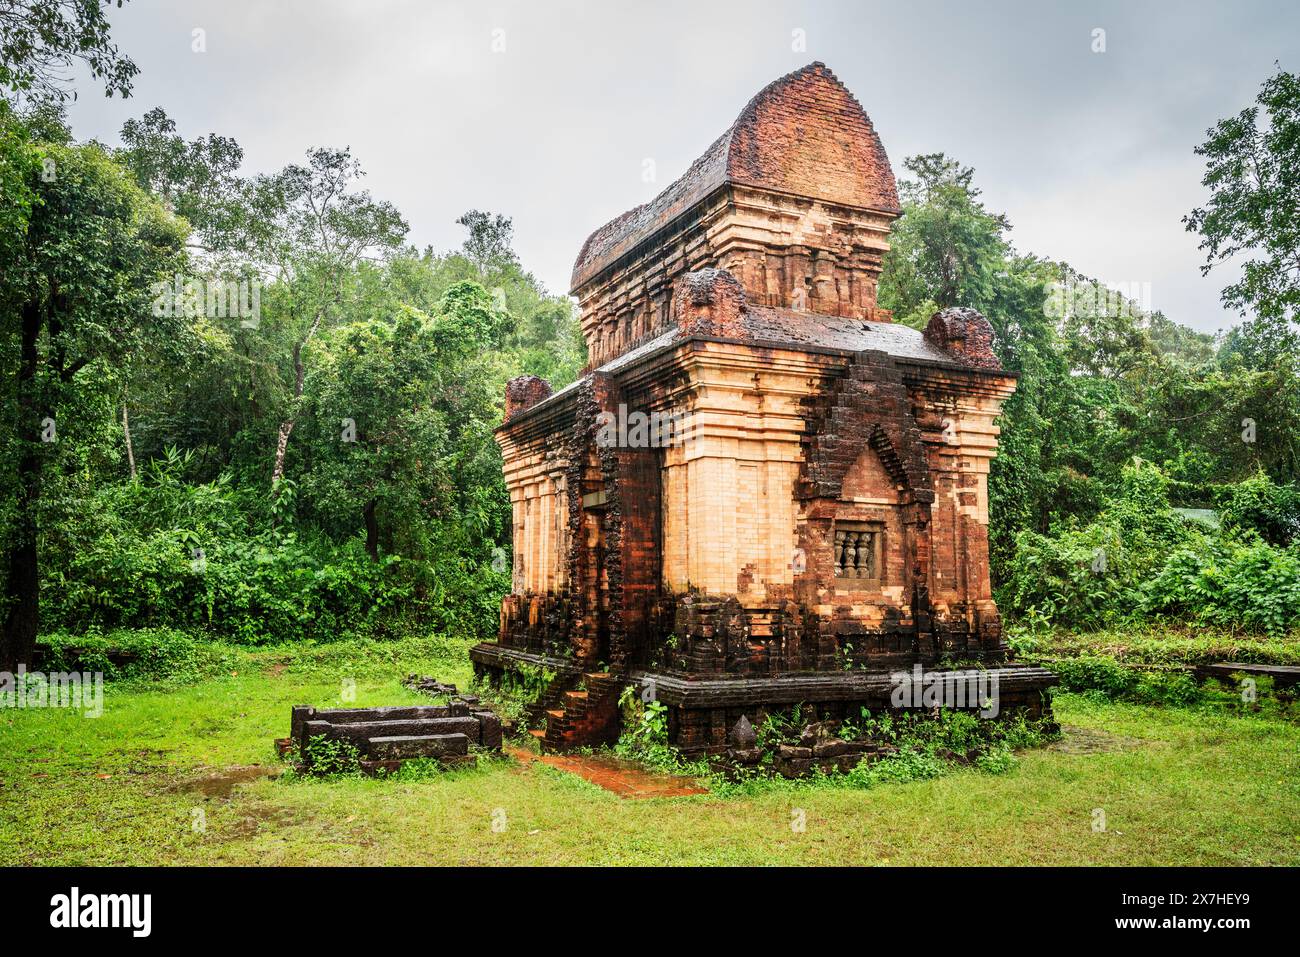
(1075, 740)
(624, 779)
(221, 784)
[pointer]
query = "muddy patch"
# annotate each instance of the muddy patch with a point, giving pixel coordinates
(222, 783)
(1075, 740)
(621, 777)
(257, 819)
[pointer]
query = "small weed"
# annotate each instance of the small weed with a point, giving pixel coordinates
(327, 758)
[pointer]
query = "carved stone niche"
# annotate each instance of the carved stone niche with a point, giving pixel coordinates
(859, 554)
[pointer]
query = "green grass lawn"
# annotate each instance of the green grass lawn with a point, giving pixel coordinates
(1202, 785)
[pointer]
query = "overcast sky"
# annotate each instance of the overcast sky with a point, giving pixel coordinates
(1089, 154)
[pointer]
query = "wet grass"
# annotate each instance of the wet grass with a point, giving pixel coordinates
(175, 772)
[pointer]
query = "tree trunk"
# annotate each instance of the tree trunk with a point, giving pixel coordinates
(281, 445)
(23, 582)
(126, 431)
(23, 586)
(286, 427)
(372, 530)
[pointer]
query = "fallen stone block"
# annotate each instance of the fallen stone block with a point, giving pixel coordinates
(794, 767)
(403, 746)
(359, 733)
(302, 713)
(381, 738)
(831, 748)
(389, 713)
(489, 730)
(429, 685)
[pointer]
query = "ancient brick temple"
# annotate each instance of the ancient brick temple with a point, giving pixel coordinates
(763, 491)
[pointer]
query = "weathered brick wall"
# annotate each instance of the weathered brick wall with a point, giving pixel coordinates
(957, 412)
(806, 134)
(709, 302)
(523, 392)
(864, 463)
(700, 731)
(795, 200)
(965, 335)
(730, 533)
(786, 252)
(726, 540)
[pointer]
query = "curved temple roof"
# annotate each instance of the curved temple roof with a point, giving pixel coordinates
(804, 134)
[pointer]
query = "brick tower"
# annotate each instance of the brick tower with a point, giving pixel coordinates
(762, 491)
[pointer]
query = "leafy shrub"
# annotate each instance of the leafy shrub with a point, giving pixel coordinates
(1139, 558)
(1255, 585)
(150, 653)
(328, 758)
(516, 689)
(645, 733)
(1174, 688)
(162, 553)
(908, 764)
(1086, 576)
(1260, 506)
(1107, 677)
(997, 760)
(1155, 643)
(1100, 674)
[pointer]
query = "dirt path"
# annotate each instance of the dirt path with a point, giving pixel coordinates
(620, 777)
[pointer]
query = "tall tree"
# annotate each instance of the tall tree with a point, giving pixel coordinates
(1253, 174)
(488, 245)
(1253, 214)
(947, 248)
(41, 40)
(196, 179)
(75, 292)
(310, 226)
(401, 414)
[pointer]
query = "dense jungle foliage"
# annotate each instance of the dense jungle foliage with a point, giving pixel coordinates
(245, 407)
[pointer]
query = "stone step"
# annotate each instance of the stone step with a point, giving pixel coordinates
(403, 746)
(303, 713)
(390, 713)
(359, 732)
